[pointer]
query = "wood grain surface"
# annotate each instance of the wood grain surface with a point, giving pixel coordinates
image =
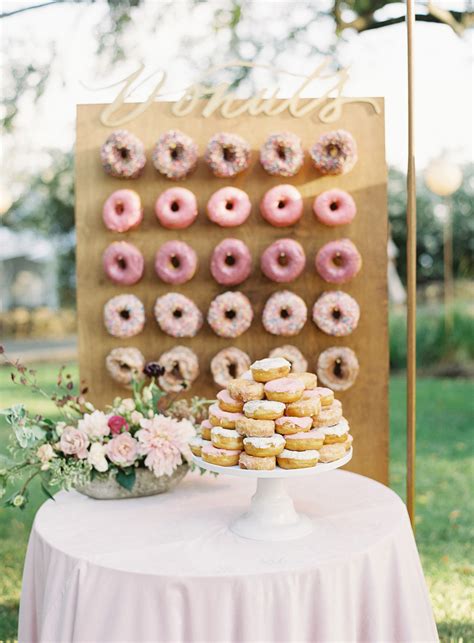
(365, 404)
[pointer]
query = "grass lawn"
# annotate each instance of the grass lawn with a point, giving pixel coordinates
(445, 508)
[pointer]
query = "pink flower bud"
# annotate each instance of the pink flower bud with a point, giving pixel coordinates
(117, 424)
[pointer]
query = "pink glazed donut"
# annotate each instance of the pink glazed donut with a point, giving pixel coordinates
(282, 154)
(176, 208)
(231, 262)
(334, 152)
(227, 154)
(177, 315)
(284, 314)
(229, 207)
(338, 261)
(122, 211)
(283, 261)
(123, 263)
(282, 206)
(230, 314)
(334, 207)
(336, 313)
(175, 155)
(175, 262)
(123, 155)
(124, 316)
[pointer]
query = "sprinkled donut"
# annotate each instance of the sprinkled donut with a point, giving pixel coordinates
(231, 262)
(230, 314)
(227, 154)
(336, 313)
(338, 367)
(125, 365)
(229, 364)
(181, 369)
(334, 207)
(229, 207)
(176, 208)
(177, 315)
(123, 263)
(284, 314)
(334, 153)
(123, 155)
(338, 261)
(124, 316)
(175, 262)
(282, 154)
(175, 155)
(282, 206)
(296, 358)
(283, 261)
(122, 211)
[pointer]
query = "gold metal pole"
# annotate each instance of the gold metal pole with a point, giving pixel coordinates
(448, 266)
(411, 274)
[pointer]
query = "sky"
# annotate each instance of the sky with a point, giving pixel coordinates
(376, 59)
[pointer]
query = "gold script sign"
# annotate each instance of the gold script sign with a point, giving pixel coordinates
(219, 99)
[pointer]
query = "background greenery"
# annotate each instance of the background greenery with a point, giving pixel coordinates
(445, 508)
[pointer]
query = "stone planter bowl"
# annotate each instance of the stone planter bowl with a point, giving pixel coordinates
(105, 487)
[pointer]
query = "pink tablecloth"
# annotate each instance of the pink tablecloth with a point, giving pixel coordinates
(167, 568)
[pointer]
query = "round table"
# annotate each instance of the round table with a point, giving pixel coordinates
(167, 568)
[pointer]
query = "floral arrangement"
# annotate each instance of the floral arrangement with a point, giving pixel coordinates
(148, 429)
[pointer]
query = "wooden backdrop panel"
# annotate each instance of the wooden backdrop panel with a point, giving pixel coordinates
(365, 404)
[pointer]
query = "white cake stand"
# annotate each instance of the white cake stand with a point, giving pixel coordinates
(272, 515)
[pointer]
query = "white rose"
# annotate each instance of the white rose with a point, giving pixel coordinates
(95, 425)
(136, 417)
(128, 404)
(97, 458)
(150, 413)
(45, 453)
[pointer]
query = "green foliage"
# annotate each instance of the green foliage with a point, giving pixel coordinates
(435, 344)
(126, 478)
(46, 205)
(430, 228)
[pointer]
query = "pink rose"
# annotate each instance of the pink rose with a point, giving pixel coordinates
(117, 424)
(122, 450)
(74, 442)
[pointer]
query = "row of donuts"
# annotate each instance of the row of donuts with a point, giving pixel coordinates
(230, 314)
(177, 208)
(283, 261)
(273, 416)
(175, 154)
(337, 367)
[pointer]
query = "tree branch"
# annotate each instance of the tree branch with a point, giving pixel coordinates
(461, 19)
(7, 14)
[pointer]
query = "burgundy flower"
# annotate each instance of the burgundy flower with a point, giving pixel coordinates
(117, 424)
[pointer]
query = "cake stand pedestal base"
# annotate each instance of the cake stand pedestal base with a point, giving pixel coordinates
(272, 514)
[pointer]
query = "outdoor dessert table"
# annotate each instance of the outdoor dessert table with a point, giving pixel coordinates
(167, 568)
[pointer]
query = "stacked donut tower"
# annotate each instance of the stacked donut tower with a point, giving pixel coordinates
(230, 314)
(273, 417)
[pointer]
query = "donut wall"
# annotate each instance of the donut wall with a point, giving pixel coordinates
(365, 402)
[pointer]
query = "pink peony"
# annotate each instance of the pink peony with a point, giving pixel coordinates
(117, 424)
(163, 458)
(122, 450)
(165, 442)
(74, 442)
